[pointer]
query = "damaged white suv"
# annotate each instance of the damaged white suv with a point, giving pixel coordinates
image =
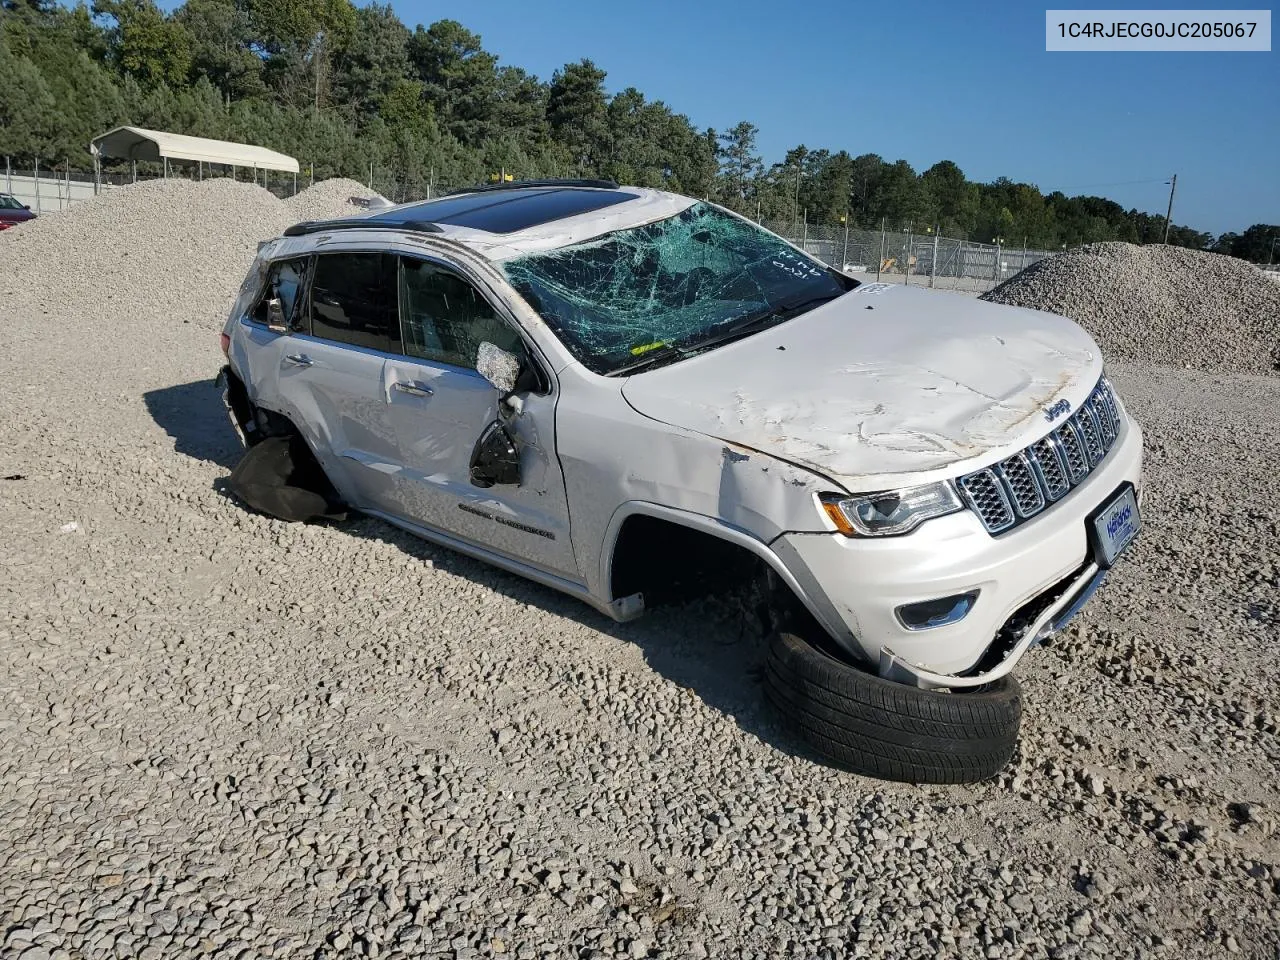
(617, 391)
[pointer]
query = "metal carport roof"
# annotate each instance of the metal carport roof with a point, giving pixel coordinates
(135, 143)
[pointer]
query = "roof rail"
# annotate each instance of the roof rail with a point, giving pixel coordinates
(552, 182)
(361, 223)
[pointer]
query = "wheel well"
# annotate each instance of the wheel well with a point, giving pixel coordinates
(672, 564)
(669, 562)
(258, 423)
(274, 424)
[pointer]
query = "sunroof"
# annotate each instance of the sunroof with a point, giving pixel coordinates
(510, 211)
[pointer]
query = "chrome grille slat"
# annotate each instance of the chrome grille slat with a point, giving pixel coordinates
(1073, 447)
(1022, 486)
(1108, 395)
(986, 497)
(1089, 432)
(1046, 460)
(1103, 416)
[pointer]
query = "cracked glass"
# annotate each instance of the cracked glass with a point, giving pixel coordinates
(667, 289)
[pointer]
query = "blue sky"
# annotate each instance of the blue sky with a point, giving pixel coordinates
(928, 81)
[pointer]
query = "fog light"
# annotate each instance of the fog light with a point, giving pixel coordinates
(936, 613)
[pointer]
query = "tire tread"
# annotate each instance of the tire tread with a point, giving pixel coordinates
(888, 730)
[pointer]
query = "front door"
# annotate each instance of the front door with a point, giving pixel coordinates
(438, 407)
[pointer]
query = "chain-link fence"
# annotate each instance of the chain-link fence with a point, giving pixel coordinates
(925, 258)
(922, 258)
(48, 189)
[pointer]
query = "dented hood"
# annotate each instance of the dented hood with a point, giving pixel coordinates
(887, 384)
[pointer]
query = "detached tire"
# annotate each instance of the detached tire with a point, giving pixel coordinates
(280, 476)
(887, 730)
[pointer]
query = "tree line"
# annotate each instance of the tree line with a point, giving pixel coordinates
(342, 87)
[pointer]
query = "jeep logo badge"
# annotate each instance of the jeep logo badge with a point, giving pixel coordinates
(1058, 409)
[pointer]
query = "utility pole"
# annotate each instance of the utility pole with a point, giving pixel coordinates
(1168, 217)
(795, 206)
(933, 264)
(318, 60)
(880, 262)
(910, 228)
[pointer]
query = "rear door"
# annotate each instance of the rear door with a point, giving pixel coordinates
(260, 361)
(331, 375)
(439, 405)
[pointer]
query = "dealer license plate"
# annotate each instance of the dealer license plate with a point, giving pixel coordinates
(1115, 526)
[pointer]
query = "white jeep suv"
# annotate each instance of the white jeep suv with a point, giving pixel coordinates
(614, 391)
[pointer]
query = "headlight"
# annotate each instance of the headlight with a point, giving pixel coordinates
(891, 512)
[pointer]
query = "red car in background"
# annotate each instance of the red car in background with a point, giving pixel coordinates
(13, 211)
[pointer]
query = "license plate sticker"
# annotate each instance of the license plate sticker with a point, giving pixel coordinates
(1115, 526)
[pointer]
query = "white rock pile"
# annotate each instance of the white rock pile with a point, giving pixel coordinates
(1159, 304)
(161, 248)
(329, 198)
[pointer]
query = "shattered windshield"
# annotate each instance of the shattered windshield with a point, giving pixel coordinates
(667, 289)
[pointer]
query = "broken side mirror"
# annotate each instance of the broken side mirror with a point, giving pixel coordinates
(495, 459)
(499, 367)
(276, 321)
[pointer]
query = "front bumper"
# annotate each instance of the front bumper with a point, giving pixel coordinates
(855, 585)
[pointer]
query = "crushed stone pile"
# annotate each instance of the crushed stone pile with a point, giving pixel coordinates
(1160, 304)
(165, 248)
(330, 198)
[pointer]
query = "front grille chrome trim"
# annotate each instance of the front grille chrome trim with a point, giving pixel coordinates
(1087, 425)
(1050, 465)
(985, 495)
(1023, 485)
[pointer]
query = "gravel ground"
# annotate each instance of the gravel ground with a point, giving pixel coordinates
(222, 735)
(1160, 304)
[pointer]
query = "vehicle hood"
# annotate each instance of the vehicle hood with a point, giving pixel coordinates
(885, 385)
(16, 216)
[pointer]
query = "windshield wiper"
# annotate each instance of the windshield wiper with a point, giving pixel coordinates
(743, 326)
(658, 356)
(762, 319)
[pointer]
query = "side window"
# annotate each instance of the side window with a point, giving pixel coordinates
(286, 279)
(353, 300)
(445, 318)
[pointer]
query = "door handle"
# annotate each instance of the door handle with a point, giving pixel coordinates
(298, 359)
(413, 388)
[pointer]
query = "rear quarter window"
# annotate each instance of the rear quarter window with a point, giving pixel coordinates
(286, 279)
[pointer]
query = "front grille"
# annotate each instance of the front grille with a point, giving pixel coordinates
(1021, 486)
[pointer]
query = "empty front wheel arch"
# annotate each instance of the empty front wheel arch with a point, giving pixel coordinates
(669, 562)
